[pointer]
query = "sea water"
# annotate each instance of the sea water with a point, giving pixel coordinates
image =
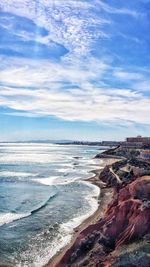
(43, 196)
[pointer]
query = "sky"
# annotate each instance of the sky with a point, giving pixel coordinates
(74, 69)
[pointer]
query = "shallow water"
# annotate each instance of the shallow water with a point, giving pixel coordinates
(43, 196)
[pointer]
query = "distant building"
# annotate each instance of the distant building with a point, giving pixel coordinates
(137, 142)
(138, 139)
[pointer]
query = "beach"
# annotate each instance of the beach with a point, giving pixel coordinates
(104, 198)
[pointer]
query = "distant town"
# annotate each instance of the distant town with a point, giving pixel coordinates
(139, 144)
(138, 141)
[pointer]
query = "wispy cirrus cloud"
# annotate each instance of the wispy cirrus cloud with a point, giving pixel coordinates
(70, 23)
(116, 10)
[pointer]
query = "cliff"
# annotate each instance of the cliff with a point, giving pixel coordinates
(122, 237)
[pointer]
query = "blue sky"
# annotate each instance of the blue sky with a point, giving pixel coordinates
(74, 69)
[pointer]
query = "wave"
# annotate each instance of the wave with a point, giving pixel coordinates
(17, 158)
(44, 204)
(9, 217)
(46, 181)
(16, 174)
(62, 180)
(66, 229)
(56, 180)
(92, 200)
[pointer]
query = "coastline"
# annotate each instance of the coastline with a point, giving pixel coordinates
(104, 199)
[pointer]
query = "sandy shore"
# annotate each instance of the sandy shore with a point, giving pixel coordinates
(105, 197)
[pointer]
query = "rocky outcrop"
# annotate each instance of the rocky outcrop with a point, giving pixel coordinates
(105, 156)
(127, 170)
(122, 152)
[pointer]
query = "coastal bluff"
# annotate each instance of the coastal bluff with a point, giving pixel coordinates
(121, 237)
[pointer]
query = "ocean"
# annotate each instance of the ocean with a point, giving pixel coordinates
(43, 196)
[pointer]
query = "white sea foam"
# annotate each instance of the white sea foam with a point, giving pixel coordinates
(55, 180)
(16, 174)
(62, 180)
(9, 217)
(46, 181)
(65, 231)
(66, 170)
(31, 157)
(42, 257)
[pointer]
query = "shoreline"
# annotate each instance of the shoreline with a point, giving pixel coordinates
(104, 198)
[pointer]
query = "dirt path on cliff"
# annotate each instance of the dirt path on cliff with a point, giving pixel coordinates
(116, 176)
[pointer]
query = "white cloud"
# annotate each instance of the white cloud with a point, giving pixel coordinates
(124, 75)
(33, 73)
(87, 102)
(143, 85)
(114, 10)
(137, 80)
(68, 22)
(92, 106)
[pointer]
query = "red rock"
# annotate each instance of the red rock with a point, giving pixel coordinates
(126, 219)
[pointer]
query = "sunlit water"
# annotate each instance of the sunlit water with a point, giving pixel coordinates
(43, 196)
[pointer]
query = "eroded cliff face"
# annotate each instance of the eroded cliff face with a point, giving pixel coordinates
(125, 222)
(129, 214)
